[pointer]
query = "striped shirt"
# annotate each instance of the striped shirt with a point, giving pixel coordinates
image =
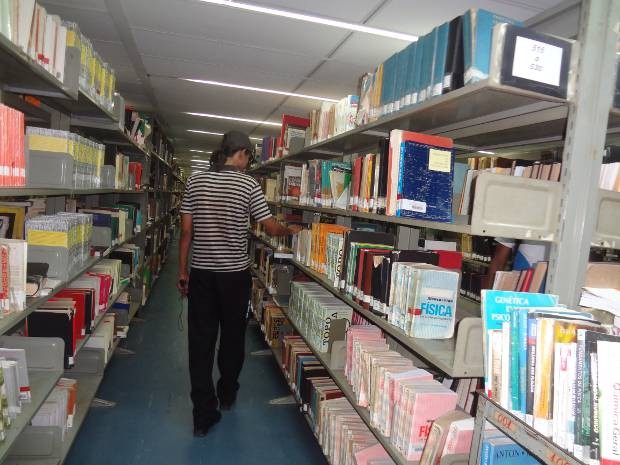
(221, 204)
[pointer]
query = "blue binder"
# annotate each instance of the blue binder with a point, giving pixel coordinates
(425, 182)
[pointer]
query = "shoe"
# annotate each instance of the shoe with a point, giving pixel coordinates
(227, 402)
(202, 425)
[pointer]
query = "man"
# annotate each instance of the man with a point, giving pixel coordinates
(215, 213)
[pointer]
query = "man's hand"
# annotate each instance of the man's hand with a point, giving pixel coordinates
(183, 283)
(294, 228)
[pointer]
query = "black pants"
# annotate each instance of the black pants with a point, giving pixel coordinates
(216, 300)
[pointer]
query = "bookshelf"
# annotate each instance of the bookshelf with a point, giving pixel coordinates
(20, 74)
(67, 107)
(572, 215)
(544, 449)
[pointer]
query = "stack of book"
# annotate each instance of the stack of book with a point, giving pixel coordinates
(451, 55)
(411, 175)
(44, 37)
(73, 313)
(12, 154)
(402, 400)
(60, 407)
(529, 280)
(416, 290)
(268, 148)
(325, 183)
(138, 127)
(541, 357)
(314, 312)
(342, 434)
(332, 119)
(97, 78)
(273, 320)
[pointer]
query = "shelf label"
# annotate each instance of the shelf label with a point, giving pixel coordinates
(537, 61)
(505, 421)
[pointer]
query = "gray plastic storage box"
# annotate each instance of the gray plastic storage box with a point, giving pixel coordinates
(108, 173)
(102, 236)
(49, 169)
(57, 257)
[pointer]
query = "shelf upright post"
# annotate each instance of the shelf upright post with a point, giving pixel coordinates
(583, 147)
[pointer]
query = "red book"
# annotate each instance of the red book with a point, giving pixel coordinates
(527, 280)
(450, 260)
(79, 297)
(356, 179)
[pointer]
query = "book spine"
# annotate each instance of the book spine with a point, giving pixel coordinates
(594, 408)
(515, 380)
(532, 327)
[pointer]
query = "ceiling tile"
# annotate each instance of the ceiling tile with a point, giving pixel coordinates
(246, 59)
(232, 25)
(234, 73)
(345, 10)
(94, 24)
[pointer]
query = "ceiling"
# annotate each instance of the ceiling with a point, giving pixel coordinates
(151, 43)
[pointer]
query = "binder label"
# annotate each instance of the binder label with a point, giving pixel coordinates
(412, 205)
(537, 61)
(440, 160)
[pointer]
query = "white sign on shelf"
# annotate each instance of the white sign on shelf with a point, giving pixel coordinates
(537, 61)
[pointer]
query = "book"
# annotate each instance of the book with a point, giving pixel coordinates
(425, 179)
(437, 438)
(477, 41)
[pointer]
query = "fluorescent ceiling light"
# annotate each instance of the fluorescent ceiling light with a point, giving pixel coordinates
(199, 151)
(314, 19)
(201, 161)
(258, 89)
(206, 132)
(217, 134)
(233, 118)
(486, 152)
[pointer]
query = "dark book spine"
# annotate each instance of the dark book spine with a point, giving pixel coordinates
(531, 368)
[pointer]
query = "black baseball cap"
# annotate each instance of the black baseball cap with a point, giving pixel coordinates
(237, 140)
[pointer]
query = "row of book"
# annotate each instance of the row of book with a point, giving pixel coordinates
(97, 78)
(45, 37)
(138, 127)
(75, 312)
(60, 407)
(402, 400)
(555, 368)
(12, 154)
(315, 312)
(332, 119)
(528, 280)
(332, 417)
(411, 175)
(365, 266)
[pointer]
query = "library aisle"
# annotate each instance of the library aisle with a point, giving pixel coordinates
(152, 422)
